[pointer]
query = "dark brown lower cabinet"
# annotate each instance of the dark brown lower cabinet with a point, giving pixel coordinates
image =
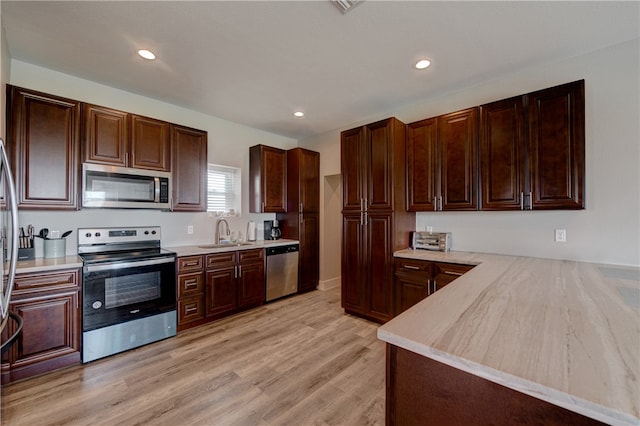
(367, 266)
(49, 304)
(216, 285)
(416, 279)
(422, 391)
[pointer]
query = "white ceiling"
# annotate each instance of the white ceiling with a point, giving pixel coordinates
(257, 62)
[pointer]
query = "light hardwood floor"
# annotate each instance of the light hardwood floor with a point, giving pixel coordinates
(297, 361)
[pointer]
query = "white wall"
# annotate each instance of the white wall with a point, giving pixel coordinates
(608, 230)
(228, 144)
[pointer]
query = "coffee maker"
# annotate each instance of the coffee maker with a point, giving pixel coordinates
(272, 230)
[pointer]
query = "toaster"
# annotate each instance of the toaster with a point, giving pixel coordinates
(436, 241)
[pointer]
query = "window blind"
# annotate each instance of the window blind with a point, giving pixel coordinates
(223, 188)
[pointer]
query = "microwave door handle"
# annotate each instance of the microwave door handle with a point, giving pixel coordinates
(156, 184)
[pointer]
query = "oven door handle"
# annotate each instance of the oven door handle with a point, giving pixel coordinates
(122, 265)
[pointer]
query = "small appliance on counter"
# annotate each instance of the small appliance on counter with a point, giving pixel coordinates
(436, 241)
(272, 230)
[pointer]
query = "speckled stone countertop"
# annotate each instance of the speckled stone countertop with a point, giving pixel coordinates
(42, 264)
(206, 249)
(562, 331)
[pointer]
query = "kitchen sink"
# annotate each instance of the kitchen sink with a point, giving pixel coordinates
(224, 245)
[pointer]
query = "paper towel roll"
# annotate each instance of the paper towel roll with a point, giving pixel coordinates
(251, 231)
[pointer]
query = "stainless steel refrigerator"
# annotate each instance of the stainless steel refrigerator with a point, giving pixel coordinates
(8, 246)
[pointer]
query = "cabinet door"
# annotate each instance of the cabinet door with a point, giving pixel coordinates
(409, 290)
(422, 165)
(309, 181)
(353, 164)
(149, 144)
(105, 135)
(44, 135)
(556, 147)
(267, 179)
(379, 266)
(444, 273)
(458, 138)
(502, 150)
(379, 166)
(221, 291)
(251, 285)
(189, 165)
(309, 264)
(50, 335)
(353, 267)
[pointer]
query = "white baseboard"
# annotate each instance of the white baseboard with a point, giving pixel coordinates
(327, 284)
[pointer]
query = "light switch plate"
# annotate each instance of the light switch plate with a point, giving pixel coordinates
(190, 229)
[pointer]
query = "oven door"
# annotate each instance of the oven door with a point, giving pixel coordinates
(123, 291)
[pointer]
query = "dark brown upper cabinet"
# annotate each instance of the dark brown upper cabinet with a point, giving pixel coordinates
(44, 138)
(267, 179)
(189, 165)
(122, 139)
(502, 155)
(556, 147)
(106, 132)
(539, 168)
(442, 162)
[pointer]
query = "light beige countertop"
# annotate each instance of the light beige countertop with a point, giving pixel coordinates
(562, 331)
(194, 250)
(41, 264)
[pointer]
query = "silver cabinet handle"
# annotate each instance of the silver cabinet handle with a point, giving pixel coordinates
(458, 274)
(361, 212)
(366, 212)
(415, 268)
(235, 271)
(530, 200)
(239, 271)
(441, 208)
(522, 201)
(301, 214)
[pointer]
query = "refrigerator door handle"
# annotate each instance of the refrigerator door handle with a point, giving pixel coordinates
(5, 295)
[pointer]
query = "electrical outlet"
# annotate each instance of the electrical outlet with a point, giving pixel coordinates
(561, 236)
(190, 229)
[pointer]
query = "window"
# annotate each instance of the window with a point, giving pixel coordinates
(223, 189)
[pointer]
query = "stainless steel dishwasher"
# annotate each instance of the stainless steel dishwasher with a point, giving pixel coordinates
(282, 271)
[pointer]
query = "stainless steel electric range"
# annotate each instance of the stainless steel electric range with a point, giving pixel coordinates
(128, 289)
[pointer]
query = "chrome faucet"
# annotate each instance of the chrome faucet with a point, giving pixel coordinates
(217, 236)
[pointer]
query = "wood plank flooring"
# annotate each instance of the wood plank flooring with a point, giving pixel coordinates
(297, 361)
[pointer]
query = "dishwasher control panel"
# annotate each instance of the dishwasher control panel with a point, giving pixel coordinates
(290, 248)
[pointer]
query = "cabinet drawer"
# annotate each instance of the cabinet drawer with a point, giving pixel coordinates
(190, 309)
(251, 256)
(221, 260)
(190, 264)
(413, 266)
(190, 284)
(46, 282)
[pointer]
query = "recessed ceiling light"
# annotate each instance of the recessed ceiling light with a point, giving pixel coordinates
(147, 54)
(299, 114)
(422, 64)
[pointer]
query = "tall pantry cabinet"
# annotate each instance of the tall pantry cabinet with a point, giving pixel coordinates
(374, 220)
(302, 220)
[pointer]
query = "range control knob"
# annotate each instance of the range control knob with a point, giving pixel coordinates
(153, 232)
(88, 235)
(97, 234)
(146, 232)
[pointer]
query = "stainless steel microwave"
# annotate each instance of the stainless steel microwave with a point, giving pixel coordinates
(125, 188)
